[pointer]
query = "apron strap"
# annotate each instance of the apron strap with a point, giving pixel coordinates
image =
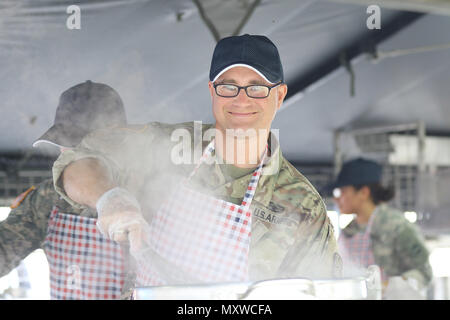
(251, 189)
(369, 224)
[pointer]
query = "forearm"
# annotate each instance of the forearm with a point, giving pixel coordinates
(411, 251)
(86, 180)
(420, 270)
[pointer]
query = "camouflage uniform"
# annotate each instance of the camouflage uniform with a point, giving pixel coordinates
(291, 233)
(25, 229)
(397, 245)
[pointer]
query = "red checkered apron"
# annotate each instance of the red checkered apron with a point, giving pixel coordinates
(204, 238)
(358, 249)
(83, 263)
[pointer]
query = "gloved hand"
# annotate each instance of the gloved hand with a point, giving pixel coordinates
(120, 218)
(399, 288)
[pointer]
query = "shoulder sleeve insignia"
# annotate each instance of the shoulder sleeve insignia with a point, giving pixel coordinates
(17, 201)
(275, 207)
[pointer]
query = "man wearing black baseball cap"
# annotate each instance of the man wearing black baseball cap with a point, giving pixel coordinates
(231, 213)
(257, 53)
(379, 234)
(41, 219)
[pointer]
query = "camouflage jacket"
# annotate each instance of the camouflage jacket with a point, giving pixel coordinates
(25, 229)
(397, 245)
(292, 235)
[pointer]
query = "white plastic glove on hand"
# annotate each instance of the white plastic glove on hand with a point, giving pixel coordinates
(120, 218)
(399, 288)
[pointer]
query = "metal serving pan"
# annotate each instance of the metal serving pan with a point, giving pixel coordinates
(359, 288)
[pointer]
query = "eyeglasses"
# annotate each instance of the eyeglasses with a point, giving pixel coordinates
(256, 91)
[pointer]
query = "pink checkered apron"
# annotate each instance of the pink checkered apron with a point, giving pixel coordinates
(83, 264)
(358, 249)
(204, 238)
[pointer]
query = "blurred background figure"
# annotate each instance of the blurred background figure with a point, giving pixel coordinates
(379, 234)
(41, 219)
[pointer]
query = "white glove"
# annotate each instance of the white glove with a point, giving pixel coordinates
(120, 218)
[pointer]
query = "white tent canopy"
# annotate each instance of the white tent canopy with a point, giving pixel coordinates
(156, 54)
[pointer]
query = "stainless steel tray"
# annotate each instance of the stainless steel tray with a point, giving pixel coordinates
(368, 287)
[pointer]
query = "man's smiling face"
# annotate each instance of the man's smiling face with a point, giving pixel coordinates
(243, 112)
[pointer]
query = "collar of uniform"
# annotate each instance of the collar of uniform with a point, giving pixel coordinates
(215, 179)
(264, 191)
(353, 227)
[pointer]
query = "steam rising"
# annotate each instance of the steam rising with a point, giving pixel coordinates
(146, 160)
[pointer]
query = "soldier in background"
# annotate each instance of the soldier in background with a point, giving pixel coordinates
(379, 234)
(40, 218)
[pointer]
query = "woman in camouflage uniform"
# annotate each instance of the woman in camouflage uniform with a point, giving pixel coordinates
(379, 234)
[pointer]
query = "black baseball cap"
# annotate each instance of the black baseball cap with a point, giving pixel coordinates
(357, 172)
(252, 51)
(83, 108)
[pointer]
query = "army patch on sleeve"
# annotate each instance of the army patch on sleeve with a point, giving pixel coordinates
(17, 201)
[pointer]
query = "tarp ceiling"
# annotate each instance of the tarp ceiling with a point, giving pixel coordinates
(156, 54)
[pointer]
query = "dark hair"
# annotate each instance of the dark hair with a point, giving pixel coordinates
(378, 193)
